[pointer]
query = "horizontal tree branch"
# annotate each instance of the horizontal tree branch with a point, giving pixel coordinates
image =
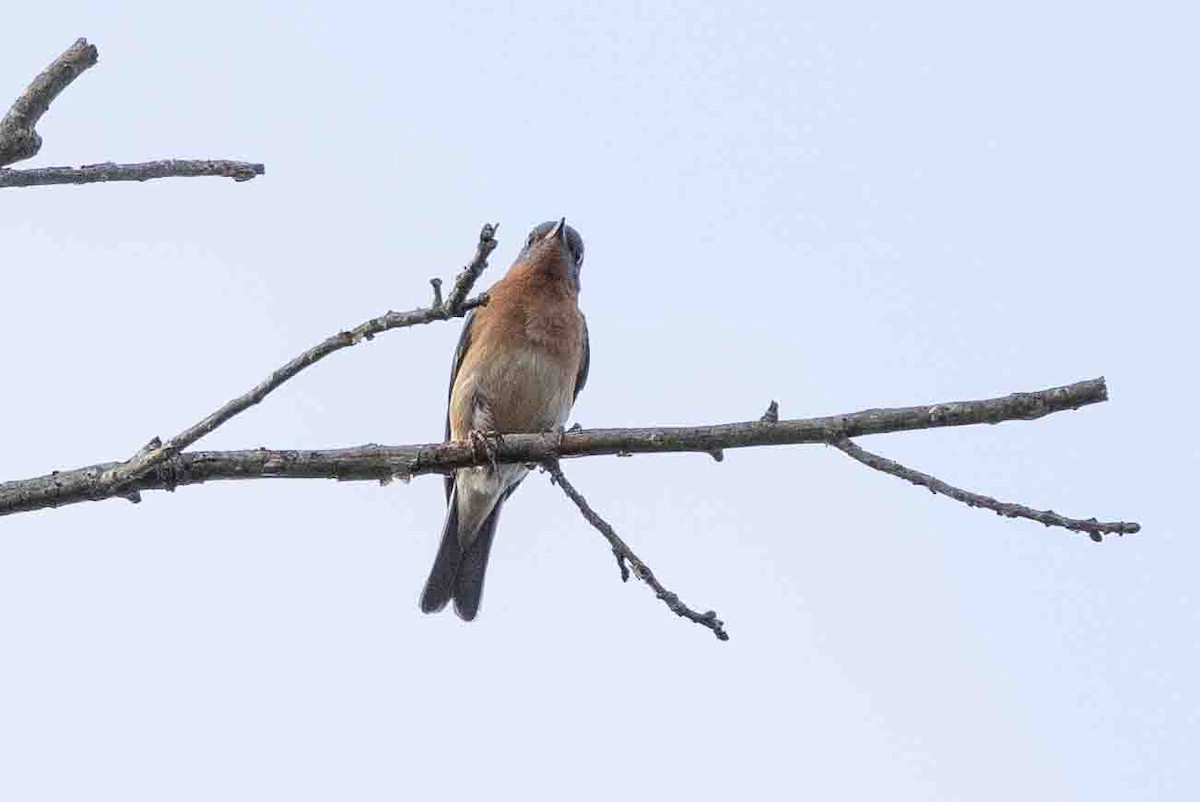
(18, 138)
(143, 171)
(383, 463)
(1095, 529)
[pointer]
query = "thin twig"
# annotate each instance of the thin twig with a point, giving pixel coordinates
(144, 171)
(18, 138)
(1095, 529)
(124, 473)
(624, 555)
(390, 462)
(474, 269)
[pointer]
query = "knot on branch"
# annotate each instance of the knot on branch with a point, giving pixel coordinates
(18, 139)
(19, 144)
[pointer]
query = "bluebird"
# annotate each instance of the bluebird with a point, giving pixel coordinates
(520, 363)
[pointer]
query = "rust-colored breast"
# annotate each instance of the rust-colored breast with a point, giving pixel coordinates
(526, 346)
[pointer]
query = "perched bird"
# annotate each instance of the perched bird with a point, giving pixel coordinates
(520, 363)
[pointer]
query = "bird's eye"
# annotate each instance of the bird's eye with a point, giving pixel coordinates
(532, 238)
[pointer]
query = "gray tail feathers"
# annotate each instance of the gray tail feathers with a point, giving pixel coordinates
(439, 588)
(468, 584)
(458, 574)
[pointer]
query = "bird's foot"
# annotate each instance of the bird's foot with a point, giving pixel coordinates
(484, 445)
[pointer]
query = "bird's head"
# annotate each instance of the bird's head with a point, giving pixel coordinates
(556, 246)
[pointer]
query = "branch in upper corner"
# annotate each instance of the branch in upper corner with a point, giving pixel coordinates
(18, 138)
(1095, 529)
(122, 474)
(144, 171)
(624, 555)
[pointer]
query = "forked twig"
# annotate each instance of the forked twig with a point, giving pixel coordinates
(19, 139)
(148, 457)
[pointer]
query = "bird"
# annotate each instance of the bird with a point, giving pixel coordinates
(522, 360)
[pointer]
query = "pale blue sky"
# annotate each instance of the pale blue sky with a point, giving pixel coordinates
(836, 207)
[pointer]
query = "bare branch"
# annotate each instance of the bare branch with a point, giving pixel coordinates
(1095, 529)
(624, 555)
(120, 475)
(159, 465)
(144, 171)
(471, 273)
(373, 462)
(18, 139)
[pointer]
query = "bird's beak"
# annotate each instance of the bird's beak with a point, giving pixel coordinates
(559, 231)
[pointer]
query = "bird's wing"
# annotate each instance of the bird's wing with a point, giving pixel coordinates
(464, 342)
(585, 362)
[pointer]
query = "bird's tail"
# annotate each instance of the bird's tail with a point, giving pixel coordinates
(439, 588)
(468, 584)
(457, 573)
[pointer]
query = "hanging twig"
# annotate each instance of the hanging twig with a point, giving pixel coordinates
(1095, 529)
(625, 556)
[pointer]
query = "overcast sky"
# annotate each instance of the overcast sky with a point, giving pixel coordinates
(835, 207)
